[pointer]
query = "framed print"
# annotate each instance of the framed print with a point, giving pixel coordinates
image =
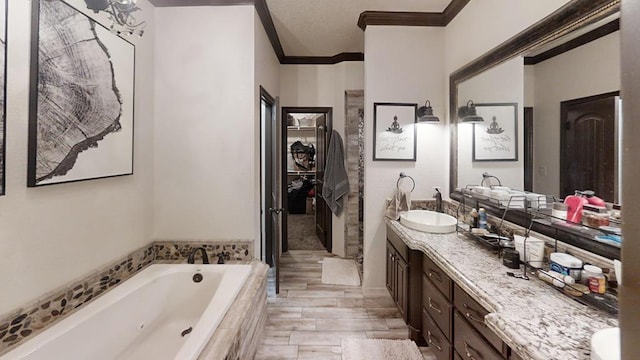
(497, 138)
(394, 136)
(82, 92)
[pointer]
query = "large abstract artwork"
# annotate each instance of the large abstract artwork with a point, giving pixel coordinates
(81, 112)
(3, 75)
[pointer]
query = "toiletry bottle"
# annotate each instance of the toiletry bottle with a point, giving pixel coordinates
(591, 197)
(575, 204)
(482, 218)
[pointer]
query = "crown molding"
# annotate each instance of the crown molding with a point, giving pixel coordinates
(406, 18)
(323, 60)
(586, 38)
(366, 18)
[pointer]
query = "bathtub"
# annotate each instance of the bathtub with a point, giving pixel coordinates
(160, 313)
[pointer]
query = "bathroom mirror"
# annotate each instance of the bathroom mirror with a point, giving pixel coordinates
(543, 72)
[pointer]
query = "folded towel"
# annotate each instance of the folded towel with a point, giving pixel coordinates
(401, 201)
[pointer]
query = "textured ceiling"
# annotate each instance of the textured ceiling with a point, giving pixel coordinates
(329, 27)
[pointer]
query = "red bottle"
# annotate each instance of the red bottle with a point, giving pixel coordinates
(575, 204)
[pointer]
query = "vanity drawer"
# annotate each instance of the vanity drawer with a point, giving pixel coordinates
(475, 313)
(437, 306)
(441, 348)
(469, 344)
(437, 276)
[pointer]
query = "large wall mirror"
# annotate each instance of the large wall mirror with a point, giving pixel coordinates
(552, 93)
(566, 65)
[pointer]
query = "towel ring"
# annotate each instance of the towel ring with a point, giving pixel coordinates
(403, 175)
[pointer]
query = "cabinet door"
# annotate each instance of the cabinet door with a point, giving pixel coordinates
(390, 272)
(402, 286)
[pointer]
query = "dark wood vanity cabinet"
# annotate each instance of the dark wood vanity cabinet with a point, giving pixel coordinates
(397, 280)
(452, 322)
(403, 281)
(438, 311)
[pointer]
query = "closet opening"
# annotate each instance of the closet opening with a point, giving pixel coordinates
(307, 219)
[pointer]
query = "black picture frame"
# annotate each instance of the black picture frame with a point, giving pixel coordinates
(394, 131)
(81, 104)
(497, 138)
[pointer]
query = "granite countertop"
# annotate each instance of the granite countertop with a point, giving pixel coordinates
(535, 320)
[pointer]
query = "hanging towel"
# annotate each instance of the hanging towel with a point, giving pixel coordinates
(401, 201)
(336, 183)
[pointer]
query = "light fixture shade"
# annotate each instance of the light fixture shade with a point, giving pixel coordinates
(425, 113)
(468, 114)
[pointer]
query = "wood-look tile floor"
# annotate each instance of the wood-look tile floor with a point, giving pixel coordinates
(309, 319)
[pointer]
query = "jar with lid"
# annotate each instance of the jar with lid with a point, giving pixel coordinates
(559, 211)
(594, 278)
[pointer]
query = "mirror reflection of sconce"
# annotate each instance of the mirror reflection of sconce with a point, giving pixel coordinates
(425, 113)
(468, 114)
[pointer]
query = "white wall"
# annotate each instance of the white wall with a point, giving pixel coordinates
(205, 124)
(501, 84)
(483, 25)
(402, 64)
(323, 86)
(267, 75)
(53, 234)
(591, 69)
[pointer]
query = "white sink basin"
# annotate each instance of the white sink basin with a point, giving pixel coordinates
(429, 221)
(605, 344)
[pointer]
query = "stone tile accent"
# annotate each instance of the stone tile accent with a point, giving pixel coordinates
(241, 250)
(36, 316)
(354, 138)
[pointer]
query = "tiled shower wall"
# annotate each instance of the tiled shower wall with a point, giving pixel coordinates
(36, 316)
(354, 130)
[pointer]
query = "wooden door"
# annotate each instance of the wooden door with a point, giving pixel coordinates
(402, 286)
(323, 214)
(390, 271)
(587, 145)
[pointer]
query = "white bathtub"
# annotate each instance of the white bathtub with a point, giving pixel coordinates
(144, 317)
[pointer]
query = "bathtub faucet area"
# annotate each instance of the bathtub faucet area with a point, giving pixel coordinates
(191, 259)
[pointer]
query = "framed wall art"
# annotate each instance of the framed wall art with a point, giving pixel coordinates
(81, 103)
(497, 138)
(394, 136)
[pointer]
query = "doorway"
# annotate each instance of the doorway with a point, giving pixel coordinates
(588, 145)
(271, 187)
(308, 220)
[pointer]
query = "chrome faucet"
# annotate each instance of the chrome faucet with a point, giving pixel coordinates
(438, 197)
(191, 259)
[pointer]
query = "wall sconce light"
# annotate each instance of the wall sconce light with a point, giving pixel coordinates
(486, 176)
(425, 113)
(468, 114)
(121, 15)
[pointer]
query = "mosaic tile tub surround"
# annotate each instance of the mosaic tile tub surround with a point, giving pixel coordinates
(36, 316)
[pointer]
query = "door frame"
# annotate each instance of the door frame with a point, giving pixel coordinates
(328, 111)
(272, 245)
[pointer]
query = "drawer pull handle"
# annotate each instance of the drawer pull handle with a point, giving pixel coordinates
(431, 342)
(469, 314)
(433, 274)
(433, 307)
(468, 349)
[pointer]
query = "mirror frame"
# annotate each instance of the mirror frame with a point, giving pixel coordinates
(572, 16)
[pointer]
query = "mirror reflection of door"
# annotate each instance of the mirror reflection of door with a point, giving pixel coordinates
(588, 143)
